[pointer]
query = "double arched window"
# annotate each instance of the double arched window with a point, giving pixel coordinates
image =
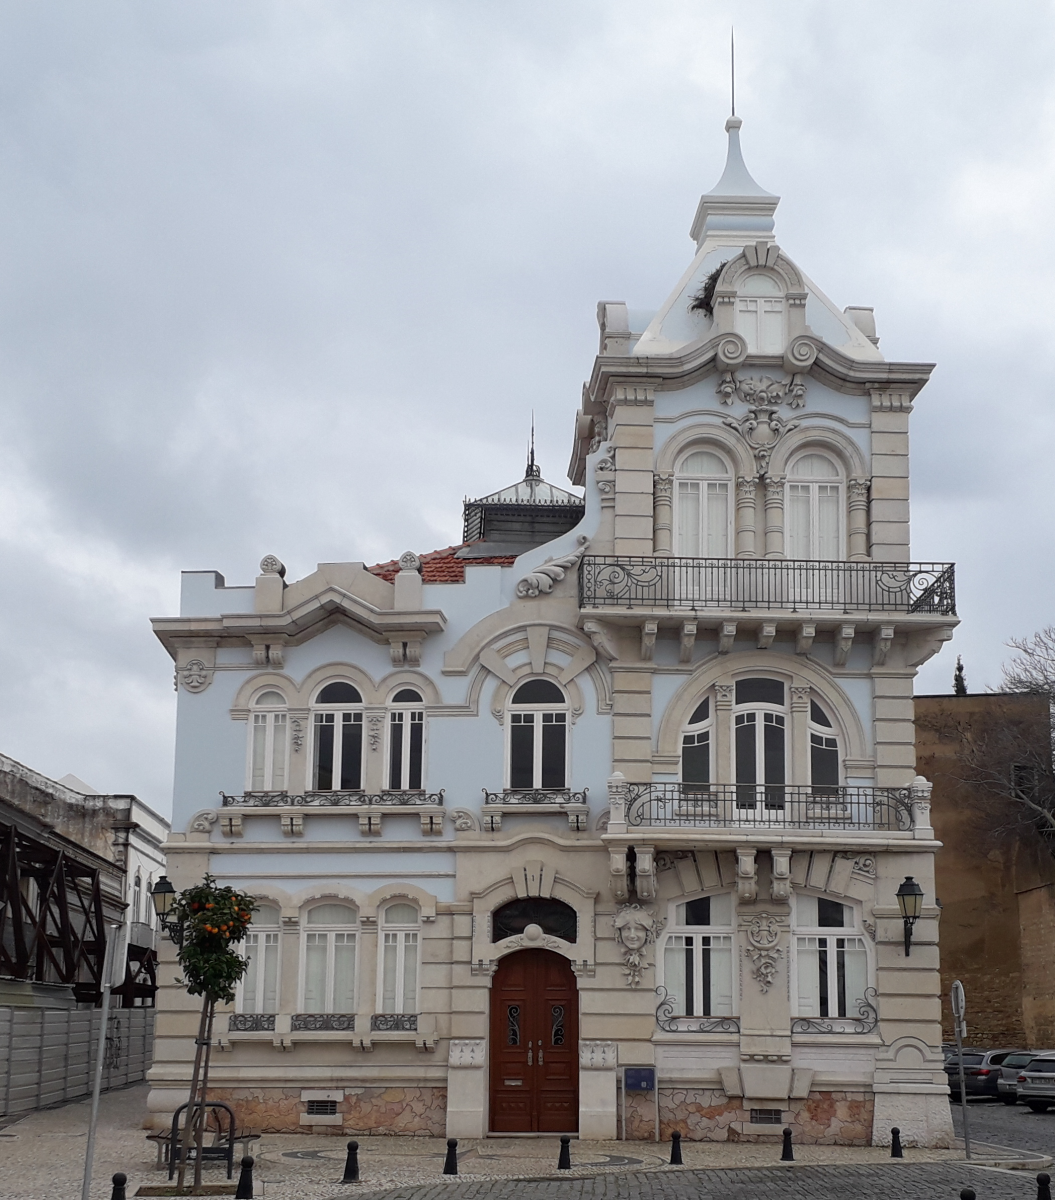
(406, 741)
(329, 945)
(760, 314)
(814, 509)
(831, 958)
(698, 957)
(268, 743)
(538, 736)
(258, 991)
(337, 739)
(703, 505)
(398, 984)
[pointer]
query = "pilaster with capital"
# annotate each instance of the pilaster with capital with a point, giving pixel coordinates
(775, 516)
(663, 513)
(800, 733)
(746, 499)
(857, 501)
(723, 733)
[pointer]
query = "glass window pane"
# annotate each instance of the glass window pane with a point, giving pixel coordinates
(554, 741)
(689, 519)
(701, 713)
(677, 970)
(388, 973)
(855, 974)
(278, 752)
(703, 462)
(809, 977)
(833, 915)
(746, 770)
(270, 988)
(773, 741)
(351, 752)
(323, 752)
(343, 973)
(417, 751)
(395, 750)
(759, 691)
(797, 521)
(721, 977)
(824, 762)
(818, 716)
(258, 783)
(522, 753)
(772, 326)
(315, 973)
(410, 973)
(696, 758)
(828, 506)
(251, 978)
(722, 909)
(696, 912)
(717, 520)
(331, 914)
(401, 914)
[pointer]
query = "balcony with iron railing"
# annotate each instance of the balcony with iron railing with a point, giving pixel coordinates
(393, 799)
(637, 584)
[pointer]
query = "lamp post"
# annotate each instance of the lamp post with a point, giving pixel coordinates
(910, 901)
(163, 896)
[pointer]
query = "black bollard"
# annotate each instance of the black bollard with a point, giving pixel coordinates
(564, 1161)
(968, 1194)
(675, 1149)
(120, 1179)
(787, 1154)
(244, 1190)
(450, 1163)
(351, 1164)
(895, 1143)
(1043, 1186)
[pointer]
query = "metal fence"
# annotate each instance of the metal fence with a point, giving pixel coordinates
(743, 584)
(689, 805)
(47, 1055)
(334, 800)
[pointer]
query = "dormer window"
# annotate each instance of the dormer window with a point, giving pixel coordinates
(704, 506)
(760, 314)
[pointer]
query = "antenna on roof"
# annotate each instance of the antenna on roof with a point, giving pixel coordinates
(532, 471)
(732, 69)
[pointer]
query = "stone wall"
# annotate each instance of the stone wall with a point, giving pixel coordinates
(365, 1110)
(706, 1115)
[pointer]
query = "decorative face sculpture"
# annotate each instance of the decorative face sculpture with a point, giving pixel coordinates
(635, 926)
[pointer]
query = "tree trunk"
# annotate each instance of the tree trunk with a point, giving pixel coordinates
(183, 1136)
(200, 1132)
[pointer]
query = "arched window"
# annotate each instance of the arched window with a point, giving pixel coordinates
(268, 745)
(704, 505)
(760, 314)
(337, 742)
(814, 517)
(760, 744)
(406, 741)
(552, 916)
(824, 752)
(329, 958)
(259, 985)
(399, 959)
(538, 736)
(831, 966)
(696, 744)
(698, 957)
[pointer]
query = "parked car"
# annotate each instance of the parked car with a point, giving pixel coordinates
(981, 1070)
(1036, 1084)
(1010, 1068)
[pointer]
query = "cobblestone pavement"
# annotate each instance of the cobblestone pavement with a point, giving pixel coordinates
(994, 1121)
(41, 1158)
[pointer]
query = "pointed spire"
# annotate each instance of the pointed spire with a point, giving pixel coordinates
(533, 471)
(736, 205)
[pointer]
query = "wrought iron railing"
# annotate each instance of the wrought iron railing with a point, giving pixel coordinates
(394, 1023)
(554, 796)
(743, 584)
(690, 805)
(333, 799)
(251, 1023)
(322, 1023)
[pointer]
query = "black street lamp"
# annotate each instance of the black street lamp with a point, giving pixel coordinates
(163, 896)
(910, 901)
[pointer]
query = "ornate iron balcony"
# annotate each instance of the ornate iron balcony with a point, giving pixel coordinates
(769, 806)
(556, 797)
(743, 584)
(334, 800)
(251, 1023)
(322, 1023)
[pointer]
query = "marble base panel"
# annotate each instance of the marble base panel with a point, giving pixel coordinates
(366, 1110)
(702, 1114)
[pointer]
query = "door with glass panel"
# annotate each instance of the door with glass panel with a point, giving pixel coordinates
(814, 530)
(698, 958)
(760, 749)
(258, 988)
(832, 962)
(703, 515)
(534, 1045)
(329, 959)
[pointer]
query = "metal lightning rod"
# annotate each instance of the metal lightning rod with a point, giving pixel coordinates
(732, 69)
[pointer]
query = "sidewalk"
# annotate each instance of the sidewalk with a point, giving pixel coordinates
(41, 1157)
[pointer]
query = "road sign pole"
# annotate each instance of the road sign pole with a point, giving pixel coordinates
(959, 1008)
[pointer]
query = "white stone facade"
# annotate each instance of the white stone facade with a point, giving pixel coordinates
(486, 903)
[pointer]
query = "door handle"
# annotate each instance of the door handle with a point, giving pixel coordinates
(540, 1052)
(530, 1062)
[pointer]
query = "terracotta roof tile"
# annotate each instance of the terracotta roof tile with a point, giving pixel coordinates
(440, 566)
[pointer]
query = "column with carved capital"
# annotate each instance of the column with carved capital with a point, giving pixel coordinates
(858, 522)
(775, 516)
(723, 732)
(800, 734)
(663, 513)
(746, 491)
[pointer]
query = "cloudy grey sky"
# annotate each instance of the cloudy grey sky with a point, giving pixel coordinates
(290, 278)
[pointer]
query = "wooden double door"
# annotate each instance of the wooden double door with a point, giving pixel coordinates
(534, 1045)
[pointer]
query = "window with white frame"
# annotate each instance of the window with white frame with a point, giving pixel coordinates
(760, 743)
(268, 743)
(824, 751)
(696, 746)
(760, 314)
(814, 509)
(703, 505)
(399, 959)
(406, 741)
(538, 736)
(329, 935)
(258, 991)
(337, 739)
(698, 957)
(831, 960)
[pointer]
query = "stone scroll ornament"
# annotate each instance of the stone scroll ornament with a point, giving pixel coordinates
(636, 928)
(553, 570)
(763, 933)
(195, 675)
